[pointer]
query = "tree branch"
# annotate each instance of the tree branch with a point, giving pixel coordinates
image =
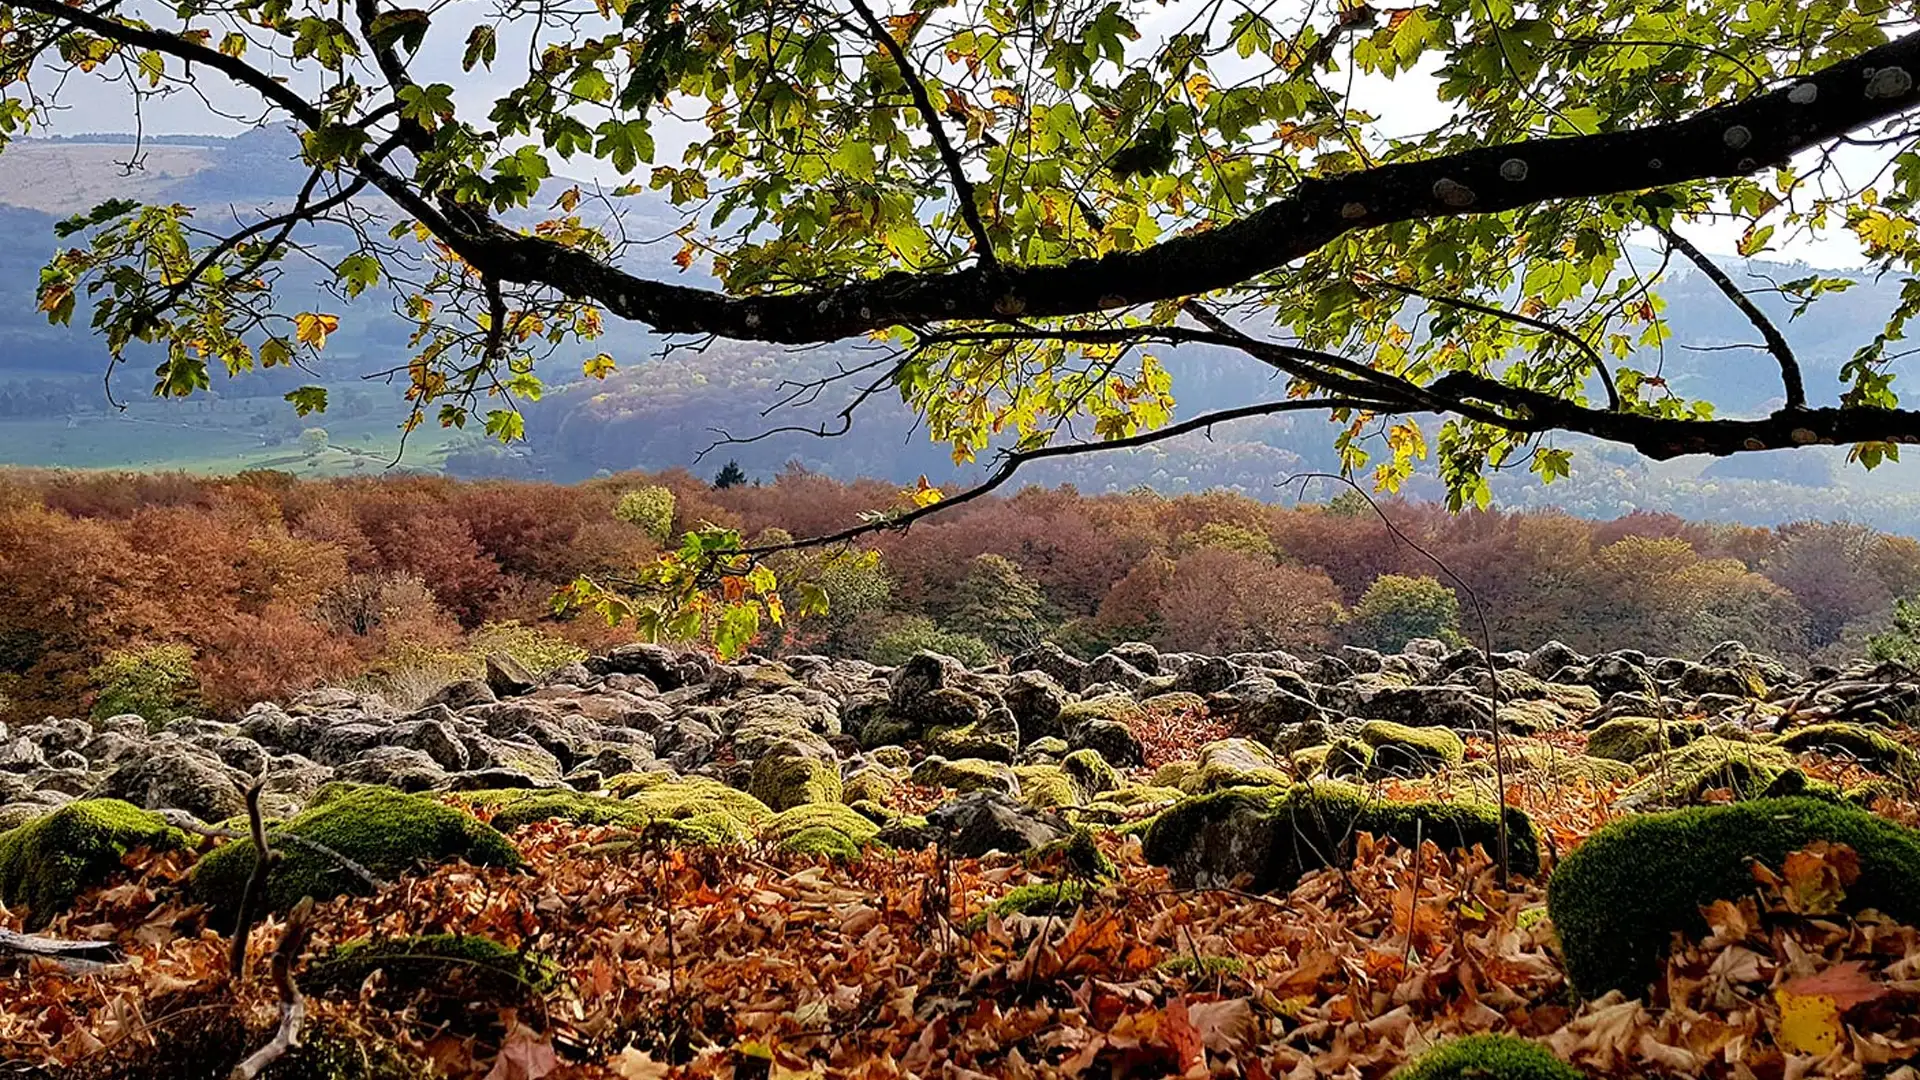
(1012, 460)
(1776, 341)
(956, 169)
(1727, 141)
(293, 1004)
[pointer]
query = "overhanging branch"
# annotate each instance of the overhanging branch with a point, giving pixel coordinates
(1796, 387)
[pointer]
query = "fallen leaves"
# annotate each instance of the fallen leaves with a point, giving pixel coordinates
(735, 964)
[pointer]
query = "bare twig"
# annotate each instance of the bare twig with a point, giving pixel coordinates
(293, 1004)
(1776, 341)
(963, 192)
(263, 859)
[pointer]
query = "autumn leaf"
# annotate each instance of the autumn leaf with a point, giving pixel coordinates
(311, 328)
(525, 1055)
(631, 1064)
(598, 367)
(1810, 1006)
(1816, 878)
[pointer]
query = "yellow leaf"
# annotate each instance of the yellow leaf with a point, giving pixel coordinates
(923, 493)
(312, 329)
(1809, 1023)
(599, 367)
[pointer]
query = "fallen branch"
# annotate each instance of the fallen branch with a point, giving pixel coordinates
(293, 1005)
(66, 952)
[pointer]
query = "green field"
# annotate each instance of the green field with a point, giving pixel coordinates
(219, 436)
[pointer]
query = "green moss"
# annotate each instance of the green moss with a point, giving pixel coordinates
(387, 832)
(981, 739)
(1117, 707)
(695, 810)
(1038, 899)
(1704, 764)
(1559, 766)
(1532, 717)
(1232, 763)
(830, 829)
(1488, 1057)
(1399, 750)
(48, 862)
(1175, 774)
(965, 775)
(1617, 899)
(1279, 834)
(1206, 967)
(873, 784)
(785, 781)
(481, 968)
(1347, 757)
(1046, 786)
(1078, 855)
(1091, 772)
(1859, 742)
(1630, 738)
(1871, 791)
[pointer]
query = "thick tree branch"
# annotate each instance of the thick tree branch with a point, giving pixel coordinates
(963, 190)
(1776, 341)
(1726, 141)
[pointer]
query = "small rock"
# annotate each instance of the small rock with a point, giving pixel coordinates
(984, 821)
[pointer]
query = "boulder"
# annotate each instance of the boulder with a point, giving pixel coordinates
(1453, 707)
(47, 862)
(436, 739)
(994, 736)
(19, 754)
(1051, 659)
(1035, 698)
(174, 778)
(398, 767)
(967, 774)
(1111, 739)
(1232, 763)
(508, 677)
(659, 665)
(985, 821)
(783, 781)
(461, 694)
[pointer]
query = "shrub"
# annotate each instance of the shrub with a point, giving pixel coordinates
(385, 831)
(917, 633)
(1617, 900)
(1395, 609)
(648, 508)
(1488, 1057)
(155, 681)
(46, 863)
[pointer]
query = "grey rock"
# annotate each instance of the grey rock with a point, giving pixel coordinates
(172, 777)
(461, 694)
(19, 754)
(1035, 698)
(436, 739)
(395, 766)
(1067, 670)
(508, 677)
(985, 821)
(1111, 739)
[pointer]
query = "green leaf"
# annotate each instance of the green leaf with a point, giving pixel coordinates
(506, 425)
(307, 399)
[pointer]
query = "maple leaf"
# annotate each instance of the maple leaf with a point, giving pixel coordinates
(525, 1055)
(1817, 878)
(1177, 1029)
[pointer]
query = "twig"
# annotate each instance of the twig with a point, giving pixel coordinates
(263, 859)
(1486, 657)
(963, 192)
(1776, 341)
(293, 1005)
(185, 822)
(1413, 905)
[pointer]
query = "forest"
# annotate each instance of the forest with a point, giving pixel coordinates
(272, 586)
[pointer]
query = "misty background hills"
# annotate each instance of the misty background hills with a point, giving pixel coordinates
(660, 412)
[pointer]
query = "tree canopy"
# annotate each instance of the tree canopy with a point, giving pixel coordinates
(1423, 217)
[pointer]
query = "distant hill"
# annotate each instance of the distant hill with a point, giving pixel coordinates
(661, 412)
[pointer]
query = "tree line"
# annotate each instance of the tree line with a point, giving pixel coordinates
(216, 592)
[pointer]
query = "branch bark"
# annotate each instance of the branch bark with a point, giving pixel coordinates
(293, 1004)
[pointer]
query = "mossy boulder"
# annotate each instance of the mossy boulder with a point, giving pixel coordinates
(48, 862)
(1119, 708)
(472, 966)
(829, 829)
(1229, 763)
(1857, 741)
(1533, 716)
(966, 775)
(1039, 898)
(995, 736)
(1559, 767)
(386, 831)
(1178, 774)
(1630, 738)
(1399, 750)
(872, 784)
(1488, 1057)
(1347, 757)
(1090, 772)
(690, 810)
(1617, 900)
(1129, 803)
(782, 781)
(1274, 835)
(1047, 787)
(1707, 763)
